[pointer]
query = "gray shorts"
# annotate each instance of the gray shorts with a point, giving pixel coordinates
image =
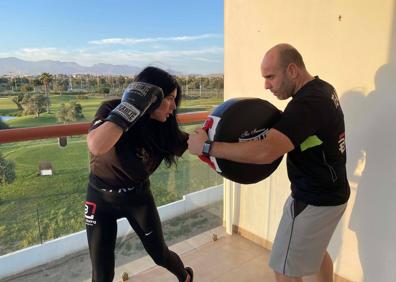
(302, 239)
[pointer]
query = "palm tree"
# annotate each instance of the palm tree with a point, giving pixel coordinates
(46, 78)
(36, 82)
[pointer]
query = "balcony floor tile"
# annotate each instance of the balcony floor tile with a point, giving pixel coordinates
(230, 258)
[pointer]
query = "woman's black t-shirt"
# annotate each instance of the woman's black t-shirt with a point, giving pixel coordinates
(313, 120)
(130, 162)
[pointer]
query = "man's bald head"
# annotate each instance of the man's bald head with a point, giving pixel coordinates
(286, 54)
(284, 71)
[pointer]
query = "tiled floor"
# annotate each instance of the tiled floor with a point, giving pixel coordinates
(230, 258)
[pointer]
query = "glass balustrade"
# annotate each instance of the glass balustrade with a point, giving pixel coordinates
(45, 200)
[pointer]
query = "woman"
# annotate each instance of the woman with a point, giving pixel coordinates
(127, 141)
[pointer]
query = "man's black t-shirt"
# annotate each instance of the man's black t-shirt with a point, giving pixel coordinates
(313, 120)
(130, 162)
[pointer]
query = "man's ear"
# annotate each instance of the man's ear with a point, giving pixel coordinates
(292, 70)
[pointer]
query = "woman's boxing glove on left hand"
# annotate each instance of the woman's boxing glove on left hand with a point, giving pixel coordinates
(135, 101)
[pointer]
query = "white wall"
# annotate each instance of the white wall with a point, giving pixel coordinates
(25, 259)
(351, 44)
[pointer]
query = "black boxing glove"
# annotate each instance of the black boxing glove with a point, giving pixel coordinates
(137, 98)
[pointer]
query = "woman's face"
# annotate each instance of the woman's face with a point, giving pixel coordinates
(166, 108)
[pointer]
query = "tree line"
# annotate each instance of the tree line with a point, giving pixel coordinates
(86, 83)
(31, 93)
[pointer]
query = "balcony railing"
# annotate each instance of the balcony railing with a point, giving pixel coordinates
(44, 132)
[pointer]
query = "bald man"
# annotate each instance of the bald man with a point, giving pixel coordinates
(312, 134)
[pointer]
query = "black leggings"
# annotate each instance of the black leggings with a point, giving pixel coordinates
(102, 209)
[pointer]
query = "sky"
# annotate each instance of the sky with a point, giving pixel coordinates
(182, 35)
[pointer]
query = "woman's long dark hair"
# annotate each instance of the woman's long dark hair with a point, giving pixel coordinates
(166, 137)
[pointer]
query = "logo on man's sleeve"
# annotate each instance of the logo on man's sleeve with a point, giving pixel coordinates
(341, 143)
(334, 97)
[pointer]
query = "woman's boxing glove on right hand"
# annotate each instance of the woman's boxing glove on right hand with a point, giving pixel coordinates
(135, 101)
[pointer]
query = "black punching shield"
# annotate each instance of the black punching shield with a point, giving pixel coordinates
(242, 120)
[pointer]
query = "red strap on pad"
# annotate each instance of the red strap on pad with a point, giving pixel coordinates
(206, 126)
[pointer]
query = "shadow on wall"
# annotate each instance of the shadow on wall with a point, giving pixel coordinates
(371, 135)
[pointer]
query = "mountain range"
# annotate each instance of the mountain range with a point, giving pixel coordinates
(13, 66)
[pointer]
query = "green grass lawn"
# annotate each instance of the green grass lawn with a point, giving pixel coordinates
(35, 208)
(89, 105)
(7, 107)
